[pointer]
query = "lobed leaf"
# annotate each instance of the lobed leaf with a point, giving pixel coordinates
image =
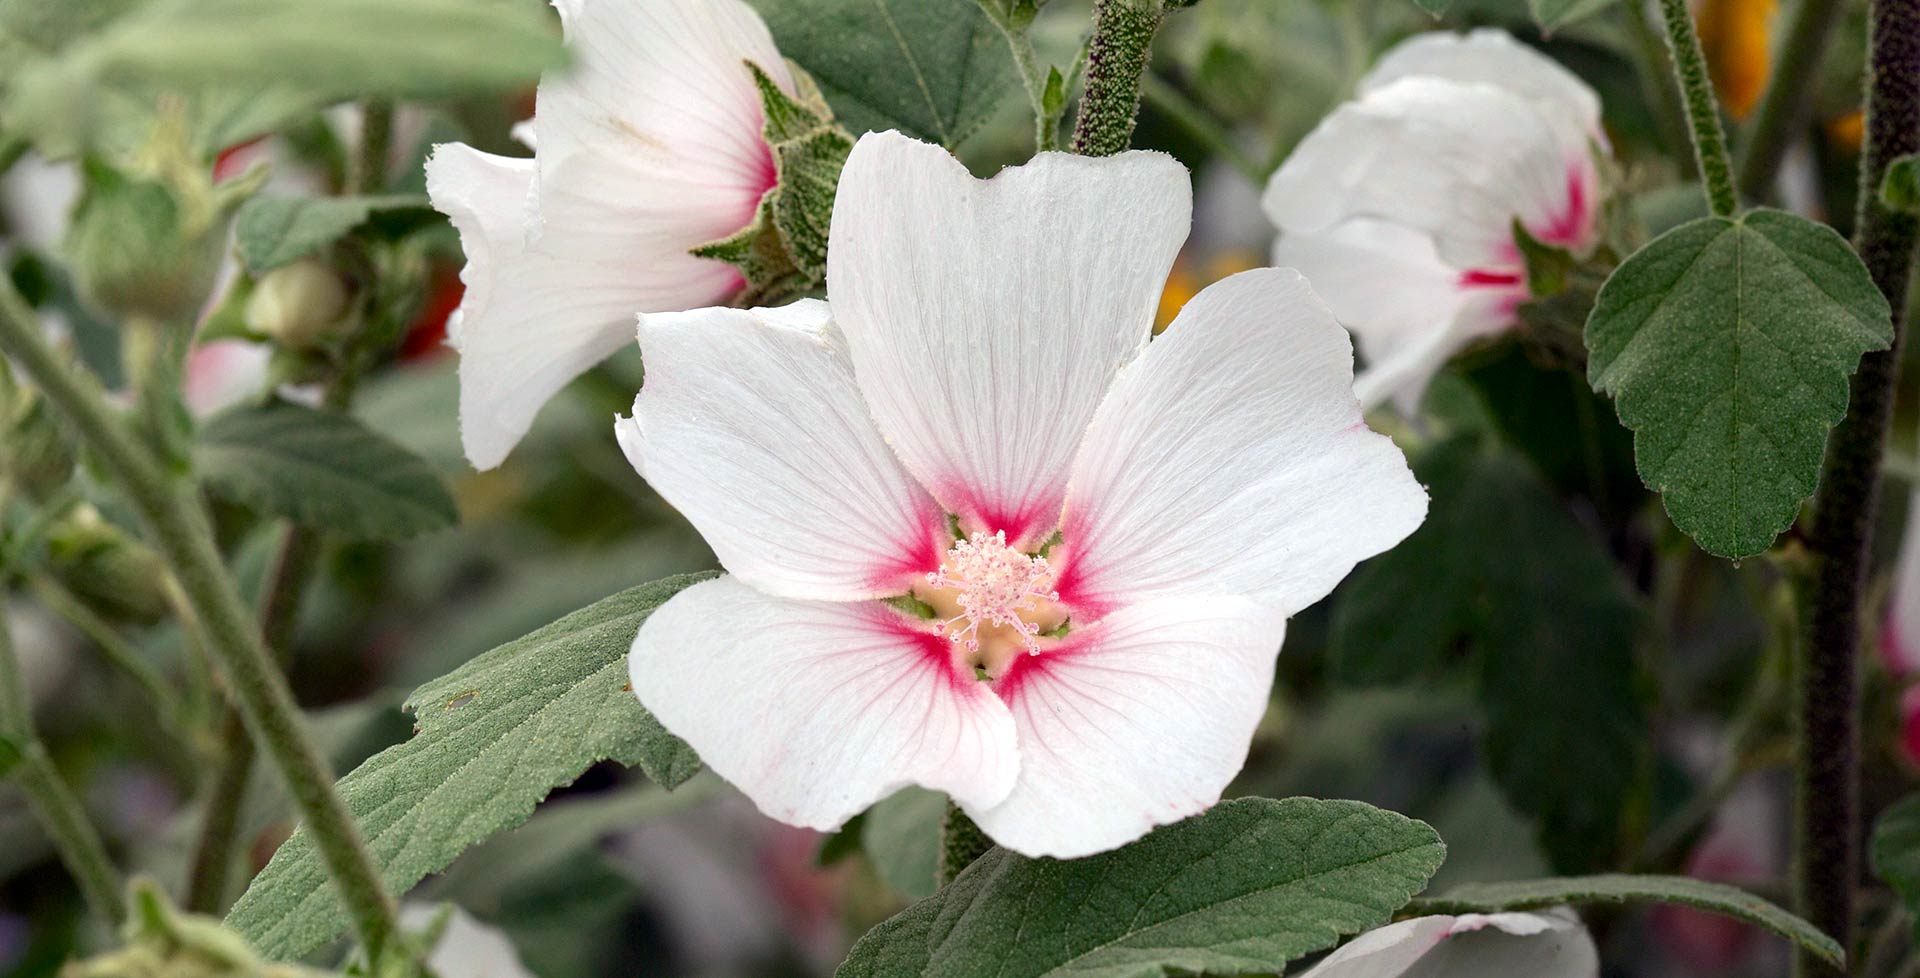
(494, 737)
(323, 469)
(1617, 888)
(1242, 889)
(933, 69)
(1727, 344)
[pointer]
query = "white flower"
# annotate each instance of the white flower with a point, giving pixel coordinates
(648, 145)
(467, 948)
(1502, 945)
(1399, 207)
(984, 358)
(222, 373)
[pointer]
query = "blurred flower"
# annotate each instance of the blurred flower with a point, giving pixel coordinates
(647, 145)
(1399, 208)
(466, 948)
(222, 373)
(1738, 44)
(301, 305)
(1129, 529)
(1552, 944)
(1742, 845)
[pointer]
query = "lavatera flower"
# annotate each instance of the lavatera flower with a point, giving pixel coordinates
(982, 536)
(1400, 206)
(1550, 944)
(647, 146)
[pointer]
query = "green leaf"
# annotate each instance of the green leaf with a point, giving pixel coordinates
(323, 469)
(901, 835)
(1434, 8)
(1894, 853)
(494, 737)
(12, 749)
(1245, 888)
(1901, 187)
(326, 50)
(1552, 15)
(1501, 569)
(1618, 888)
(1727, 344)
(934, 69)
(271, 231)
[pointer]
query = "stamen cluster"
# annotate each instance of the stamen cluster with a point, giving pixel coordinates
(994, 584)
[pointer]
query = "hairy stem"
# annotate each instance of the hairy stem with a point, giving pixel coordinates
(171, 507)
(1827, 844)
(1123, 33)
(53, 803)
(294, 563)
(1783, 107)
(1703, 110)
(961, 842)
(369, 170)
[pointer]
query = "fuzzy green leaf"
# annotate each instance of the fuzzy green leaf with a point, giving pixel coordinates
(1502, 569)
(1727, 344)
(1618, 888)
(12, 749)
(934, 69)
(1901, 187)
(1552, 15)
(322, 469)
(1894, 853)
(271, 231)
(1243, 889)
(494, 737)
(901, 836)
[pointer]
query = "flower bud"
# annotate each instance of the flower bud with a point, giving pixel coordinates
(38, 458)
(301, 305)
(138, 249)
(108, 569)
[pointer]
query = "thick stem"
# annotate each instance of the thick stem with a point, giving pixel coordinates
(292, 569)
(369, 172)
(172, 510)
(961, 842)
(53, 803)
(1123, 33)
(1703, 110)
(1783, 108)
(1827, 851)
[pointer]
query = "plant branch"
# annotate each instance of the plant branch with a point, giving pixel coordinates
(1782, 111)
(59, 812)
(1827, 849)
(1123, 33)
(171, 507)
(961, 842)
(1703, 109)
(1046, 118)
(1174, 104)
(54, 596)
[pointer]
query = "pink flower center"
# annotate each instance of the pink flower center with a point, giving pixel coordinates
(993, 600)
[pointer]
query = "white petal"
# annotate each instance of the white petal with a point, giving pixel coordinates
(1137, 720)
(1493, 57)
(1456, 161)
(815, 709)
(1503, 945)
(648, 145)
(750, 424)
(1408, 310)
(467, 948)
(987, 318)
(1231, 458)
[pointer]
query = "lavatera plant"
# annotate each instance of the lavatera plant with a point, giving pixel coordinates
(982, 536)
(678, 162)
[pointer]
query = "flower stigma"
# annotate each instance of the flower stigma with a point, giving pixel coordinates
(992, 601)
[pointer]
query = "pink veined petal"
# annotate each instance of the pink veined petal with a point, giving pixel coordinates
(1231, 458)
(816, 710)
(1137, 720)
(986, 318)
(1491, 56)
(1456, 161)
(750, 424)
(648, 145)
(1552, 944)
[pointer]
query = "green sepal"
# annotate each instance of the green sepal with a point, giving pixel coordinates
(1547, 265)
(1900, 189)
(163, 942)
(783, 252)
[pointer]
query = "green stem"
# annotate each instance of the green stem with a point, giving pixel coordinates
(369, 172)
(1046, 118)
(1783, 107)
(295, 562)
(961, 842)
(1703, 110)
(1656, 81)
(62, 815)
(1827, 844)
(172, 510)
(54, 596)
(1169, 101)
(1123, 33)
